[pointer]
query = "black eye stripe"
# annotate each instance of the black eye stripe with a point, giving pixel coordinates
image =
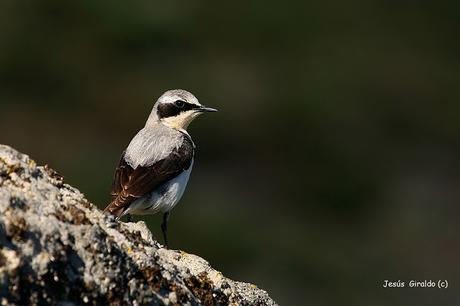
(171, 109)
(188, 106)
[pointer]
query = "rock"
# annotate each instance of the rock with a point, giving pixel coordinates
(57, 248)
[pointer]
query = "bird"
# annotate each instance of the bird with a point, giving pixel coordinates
(154, 169)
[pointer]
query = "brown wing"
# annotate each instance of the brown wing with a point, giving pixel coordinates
(130, 184)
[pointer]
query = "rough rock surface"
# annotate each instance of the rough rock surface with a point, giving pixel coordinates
(56, 248)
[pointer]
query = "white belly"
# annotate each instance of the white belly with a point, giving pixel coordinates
(164, 198)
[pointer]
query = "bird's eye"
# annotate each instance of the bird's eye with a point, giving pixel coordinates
(179, 103)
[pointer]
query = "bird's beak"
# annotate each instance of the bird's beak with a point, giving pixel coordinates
(205, 109)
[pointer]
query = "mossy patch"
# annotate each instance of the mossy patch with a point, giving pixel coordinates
(17, 203)
(17, 228)
(203, 288)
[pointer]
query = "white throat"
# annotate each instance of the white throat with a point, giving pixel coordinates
(181, 121)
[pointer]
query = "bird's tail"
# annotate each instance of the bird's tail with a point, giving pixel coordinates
(114, 209)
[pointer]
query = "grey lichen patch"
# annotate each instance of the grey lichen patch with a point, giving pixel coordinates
(57, 248)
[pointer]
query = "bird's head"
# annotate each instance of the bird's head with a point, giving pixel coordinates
(177, 108)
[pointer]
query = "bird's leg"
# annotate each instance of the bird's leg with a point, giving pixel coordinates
(164, 227)
(129, 218)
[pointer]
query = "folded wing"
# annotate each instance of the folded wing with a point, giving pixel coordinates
(130, 184)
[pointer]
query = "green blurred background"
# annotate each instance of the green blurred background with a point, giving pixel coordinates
(332, 165)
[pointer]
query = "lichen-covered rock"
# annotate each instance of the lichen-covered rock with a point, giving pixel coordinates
(56, 248)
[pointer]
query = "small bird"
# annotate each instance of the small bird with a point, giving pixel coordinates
(155, 167)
